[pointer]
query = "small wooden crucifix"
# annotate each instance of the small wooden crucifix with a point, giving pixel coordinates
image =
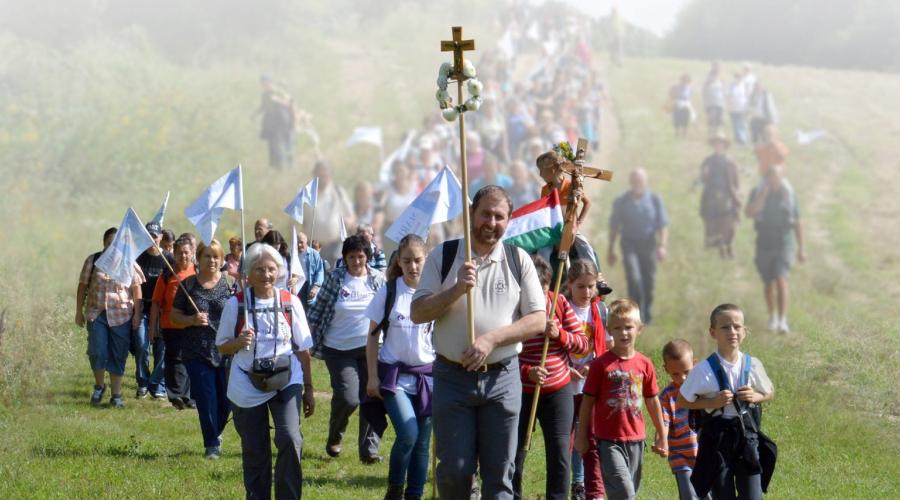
(458, 46)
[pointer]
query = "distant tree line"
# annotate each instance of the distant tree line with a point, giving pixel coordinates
(857, 34)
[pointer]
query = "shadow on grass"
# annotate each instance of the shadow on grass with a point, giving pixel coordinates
(374, 481)
(132, 449)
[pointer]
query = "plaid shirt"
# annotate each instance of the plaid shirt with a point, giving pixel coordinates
(105, 294)
(321, 313)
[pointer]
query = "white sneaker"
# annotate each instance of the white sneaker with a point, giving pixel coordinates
(783, 326)
(774, 324)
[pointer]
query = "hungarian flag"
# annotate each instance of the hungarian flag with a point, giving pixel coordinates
(536, 225)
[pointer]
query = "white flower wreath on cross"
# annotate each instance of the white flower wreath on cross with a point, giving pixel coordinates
(474, 86)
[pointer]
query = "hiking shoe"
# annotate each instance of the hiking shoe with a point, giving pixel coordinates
(177, 403)
(97, 395)
(190, 404)
(774, 324)
(159, 395)
(394, 492)
(372, 460)
(141, 393)
(578, 492)
(783, 326)
(116, 401)
(333, 450)
(212, 453)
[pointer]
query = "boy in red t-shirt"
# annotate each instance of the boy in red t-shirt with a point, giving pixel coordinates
(616, 383)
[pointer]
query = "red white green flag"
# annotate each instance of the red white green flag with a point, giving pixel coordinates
(536, 225)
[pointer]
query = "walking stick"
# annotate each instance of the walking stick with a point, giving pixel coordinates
(433, 467)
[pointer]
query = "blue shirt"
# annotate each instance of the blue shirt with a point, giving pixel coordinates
(638, 220)
(314, 268)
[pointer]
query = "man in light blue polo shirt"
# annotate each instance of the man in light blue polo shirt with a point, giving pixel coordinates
(641, 219)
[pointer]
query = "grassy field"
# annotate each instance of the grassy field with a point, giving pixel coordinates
(121, 133)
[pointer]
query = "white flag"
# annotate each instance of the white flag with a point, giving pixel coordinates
(161, 213)
(384, 174)
(226, 192)
(343, 233)
(368, 135)
(296, 266)
(307, 196)
(809, 136)
(441, 201)
(130, 242)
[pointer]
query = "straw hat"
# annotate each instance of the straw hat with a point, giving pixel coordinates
(719, 136)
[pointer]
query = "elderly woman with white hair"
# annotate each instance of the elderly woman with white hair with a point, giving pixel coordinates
(264, 328)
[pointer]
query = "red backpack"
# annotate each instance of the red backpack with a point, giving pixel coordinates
(285, 308)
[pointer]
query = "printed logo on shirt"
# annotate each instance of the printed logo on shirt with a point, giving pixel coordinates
(626, 392)
(589, 333)
(500, 288)
(347, 295)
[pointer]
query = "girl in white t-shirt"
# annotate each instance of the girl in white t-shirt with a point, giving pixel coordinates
(400, 369)
(591, 311)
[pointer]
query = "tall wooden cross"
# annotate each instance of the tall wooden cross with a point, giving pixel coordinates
(578, 171)
(458, 46)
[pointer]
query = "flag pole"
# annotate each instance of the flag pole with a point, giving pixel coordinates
(244, 270)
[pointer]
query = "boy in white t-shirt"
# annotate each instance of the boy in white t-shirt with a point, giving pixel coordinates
(728, 456)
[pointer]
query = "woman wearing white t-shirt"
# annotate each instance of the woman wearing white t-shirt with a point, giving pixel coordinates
(254, 391)
(400, 371)
(340, 327)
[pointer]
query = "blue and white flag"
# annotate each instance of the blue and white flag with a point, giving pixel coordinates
(130, 242)
(367, 135)
(296, 266)
(161, 213)
(343, 231)
(307, 196)
(226, 192)
(441, 201)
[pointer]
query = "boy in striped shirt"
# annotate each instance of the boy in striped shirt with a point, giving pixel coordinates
(678, 359)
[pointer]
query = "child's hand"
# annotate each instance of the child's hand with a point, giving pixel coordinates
(723, 398)
(661, 446)
(537, 374)
(575, 373)
(584, 370)
(747, 394)
(581, 444)
(551, 331)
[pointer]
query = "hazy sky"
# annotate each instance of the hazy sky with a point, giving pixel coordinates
(656, 15)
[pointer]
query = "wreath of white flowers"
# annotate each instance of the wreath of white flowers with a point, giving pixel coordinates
(473, 85)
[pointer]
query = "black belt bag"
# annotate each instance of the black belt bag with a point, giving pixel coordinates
(270, 374)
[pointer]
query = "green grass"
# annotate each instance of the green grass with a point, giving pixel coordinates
(122, 133)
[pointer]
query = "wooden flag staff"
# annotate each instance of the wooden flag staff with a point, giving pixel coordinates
(457, 45)
(578, 171)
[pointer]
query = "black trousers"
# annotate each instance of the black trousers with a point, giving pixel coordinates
(555, 413)
(178, 383)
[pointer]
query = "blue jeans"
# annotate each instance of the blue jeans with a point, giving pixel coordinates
(208, 388)
(577, 467)
(157, 381)
(409, 455)
(739, 127)
(108, 345)
(140, 348)
(476, 418)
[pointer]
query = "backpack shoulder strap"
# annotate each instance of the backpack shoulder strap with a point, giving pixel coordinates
(448, 255)
(288, 310)
(239, 324)
(514, 261)
(717, 370)
(745, 371)
(389, 300)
